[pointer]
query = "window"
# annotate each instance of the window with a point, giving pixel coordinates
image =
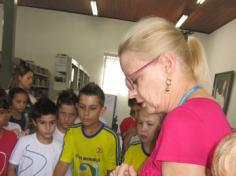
(113, 77)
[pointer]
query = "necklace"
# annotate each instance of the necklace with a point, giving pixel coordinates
(188, 94)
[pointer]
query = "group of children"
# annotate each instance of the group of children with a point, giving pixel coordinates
(62, 147)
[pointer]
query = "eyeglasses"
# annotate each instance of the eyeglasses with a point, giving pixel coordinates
(129, 80)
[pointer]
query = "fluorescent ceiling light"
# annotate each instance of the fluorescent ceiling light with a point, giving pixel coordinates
(94, 7)
(181, 20)
(200, 1)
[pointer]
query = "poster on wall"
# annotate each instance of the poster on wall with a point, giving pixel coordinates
(222, 88)
(60, 69)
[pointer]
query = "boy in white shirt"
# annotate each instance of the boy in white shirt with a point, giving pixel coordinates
(38, 153)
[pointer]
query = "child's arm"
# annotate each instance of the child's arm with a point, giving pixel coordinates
(113, 155)
(61, 168)
(11, 171)
(26, 123)
(108, 172)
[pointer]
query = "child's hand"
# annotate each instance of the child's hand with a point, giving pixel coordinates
(124, 170)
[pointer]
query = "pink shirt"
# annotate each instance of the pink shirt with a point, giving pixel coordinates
(189, 134)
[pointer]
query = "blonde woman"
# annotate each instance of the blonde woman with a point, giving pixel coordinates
(165, 72)
(224, 160)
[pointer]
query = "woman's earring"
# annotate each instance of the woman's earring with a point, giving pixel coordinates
(168, 84)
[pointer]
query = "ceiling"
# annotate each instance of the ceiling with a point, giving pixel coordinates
(206, 18)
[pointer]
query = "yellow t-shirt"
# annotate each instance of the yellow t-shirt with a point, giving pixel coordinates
(91, 155)
(135, 155)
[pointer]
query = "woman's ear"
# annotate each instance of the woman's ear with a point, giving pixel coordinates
(168, 62)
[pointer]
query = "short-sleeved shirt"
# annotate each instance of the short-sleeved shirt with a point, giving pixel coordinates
(34, 158)
(59, 136)
(7, 143)
(127, 123)
(136, 155)
(91, 155)
(189, 134)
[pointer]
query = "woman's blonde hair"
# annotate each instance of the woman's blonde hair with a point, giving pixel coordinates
(224, 160)
(154, 36)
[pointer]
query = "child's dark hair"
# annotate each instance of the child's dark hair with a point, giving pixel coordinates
(43, 106)
(67, 97)
(132, 102)
(93, 89)
(3, 99)
(12, 93)
(20, 70)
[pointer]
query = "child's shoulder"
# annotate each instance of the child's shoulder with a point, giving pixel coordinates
(77, 125)
(109, 132)
(56, 144)
(31, 137)
(9, 135)
(134, 144)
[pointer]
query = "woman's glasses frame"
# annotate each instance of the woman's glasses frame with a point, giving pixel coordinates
(129, 80)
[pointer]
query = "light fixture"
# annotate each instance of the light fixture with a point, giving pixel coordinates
(94, 7)
(200, 1)
(181, 20)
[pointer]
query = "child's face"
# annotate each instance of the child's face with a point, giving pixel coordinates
(26, 80)
(19, 102)
(4, 117)
(147, 126)
(46, 125)
(66, 115)
(89, 110)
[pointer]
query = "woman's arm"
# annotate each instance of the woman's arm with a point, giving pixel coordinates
(180, 169)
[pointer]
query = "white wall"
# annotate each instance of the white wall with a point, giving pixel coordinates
(221, 51)
(41, 34)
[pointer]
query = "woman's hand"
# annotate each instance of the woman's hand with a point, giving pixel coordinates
(124, 170)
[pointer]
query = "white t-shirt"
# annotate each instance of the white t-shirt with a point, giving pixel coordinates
(12, 126)
(59, 136)
(34, 158)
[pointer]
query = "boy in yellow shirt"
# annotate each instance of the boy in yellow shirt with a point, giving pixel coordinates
(93, 148)
(148, 128)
